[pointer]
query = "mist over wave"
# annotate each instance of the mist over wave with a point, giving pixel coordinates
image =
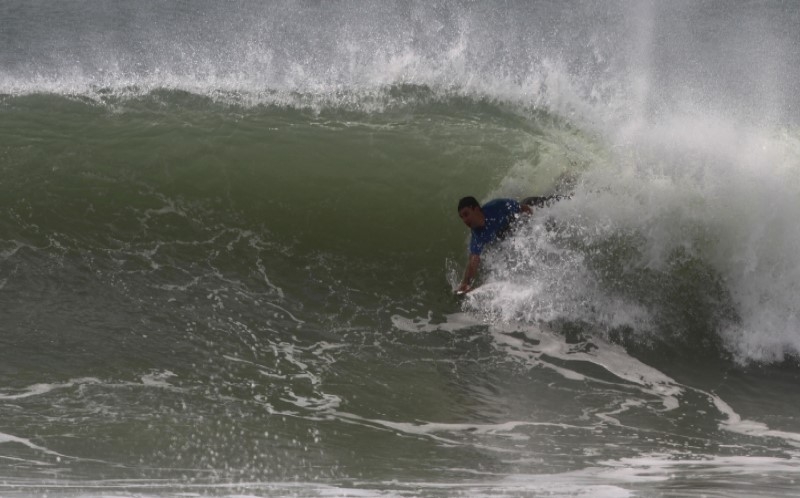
(611, 60)
(691, 237)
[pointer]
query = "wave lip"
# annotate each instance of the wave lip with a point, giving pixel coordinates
(600, 64)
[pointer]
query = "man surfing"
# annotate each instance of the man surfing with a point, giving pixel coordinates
(489, 223)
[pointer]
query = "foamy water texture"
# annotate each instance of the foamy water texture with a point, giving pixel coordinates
(693, 193)
(229, 242)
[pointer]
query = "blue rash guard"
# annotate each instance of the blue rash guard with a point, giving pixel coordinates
(499, 214)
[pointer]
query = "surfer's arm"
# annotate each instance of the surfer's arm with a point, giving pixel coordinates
(470, 273)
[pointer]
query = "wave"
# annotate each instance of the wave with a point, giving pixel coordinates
(684, 168)
(687, 236)
(681, 234)
(243, 216)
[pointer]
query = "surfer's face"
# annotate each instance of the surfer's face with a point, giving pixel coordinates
(471, 216)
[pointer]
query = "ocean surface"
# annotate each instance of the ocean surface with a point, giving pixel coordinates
(229, 243)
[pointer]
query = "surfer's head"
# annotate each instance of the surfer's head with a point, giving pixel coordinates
(469, 210)
(468, 201)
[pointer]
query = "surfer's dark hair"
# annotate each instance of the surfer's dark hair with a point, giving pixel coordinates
(468, 202)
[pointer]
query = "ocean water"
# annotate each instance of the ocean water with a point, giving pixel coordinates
(229, 240)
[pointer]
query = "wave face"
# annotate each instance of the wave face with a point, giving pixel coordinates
(229, 239)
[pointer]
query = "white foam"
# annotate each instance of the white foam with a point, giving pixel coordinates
(6, 254)
(663, 467)
(439, 431)
(158, 379)
(40, 389)
(611, 357)
(735, 423)
(529, 485)
(702, 189)
(727, 193)
(454, 323)
(8, 438)
(153, 379)
(499, 428)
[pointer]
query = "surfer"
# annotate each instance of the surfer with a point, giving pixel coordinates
(489, 223)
